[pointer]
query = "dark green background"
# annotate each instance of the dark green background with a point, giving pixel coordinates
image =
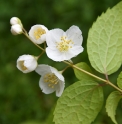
(21, 99)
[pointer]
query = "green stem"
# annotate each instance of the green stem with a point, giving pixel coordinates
(65, 69)
(106, 81)
(114, 86)
(40, 55)
(26, 34)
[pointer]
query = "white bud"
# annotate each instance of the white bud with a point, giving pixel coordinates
(26, 63)
(15, 20)
(16, 29)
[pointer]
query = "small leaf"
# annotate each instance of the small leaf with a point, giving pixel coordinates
(111, 104)
(119, 80)
(79, 104)
(104, 42)
(81, 75)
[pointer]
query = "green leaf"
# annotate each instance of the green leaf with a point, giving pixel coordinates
(111, 104)
(32, 122)
(119, 80)
(81, 75)
(79, 104)
(104, 42)
(98, 123)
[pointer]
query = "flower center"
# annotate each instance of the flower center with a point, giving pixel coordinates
(38, 32)
(21, 63)
(51, 79)
(64, 44)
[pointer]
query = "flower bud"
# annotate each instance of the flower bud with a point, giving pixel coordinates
(16, 29)
(15, 20)
(26, 63)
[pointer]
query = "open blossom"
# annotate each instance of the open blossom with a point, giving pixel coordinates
(64, 45)
(26, 63)
(38, 33)
(51, 80)
(16, 29)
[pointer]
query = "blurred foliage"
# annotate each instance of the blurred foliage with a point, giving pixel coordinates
(21, 100)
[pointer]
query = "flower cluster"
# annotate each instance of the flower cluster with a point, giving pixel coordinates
(17, 26)
(60, 46)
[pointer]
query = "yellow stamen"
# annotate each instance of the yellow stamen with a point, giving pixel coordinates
(51, 79)
(38, 32)
(22, 65)
(64, 44)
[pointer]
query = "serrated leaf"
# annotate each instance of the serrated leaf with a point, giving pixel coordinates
(111, 104)
(104, 42)
(81, 75)
(79, 104)
(119, 80)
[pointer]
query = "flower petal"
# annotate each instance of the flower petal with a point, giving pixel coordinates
(30, 64)
(72, 52)
(74, 34)
(54, 54)
(44, 86)
(57, 73)
(76, 50)
(53, 36)
(42, 69)
(60, 88)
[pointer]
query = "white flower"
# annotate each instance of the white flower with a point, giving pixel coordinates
(64, 45)
(26, 63)
(37, 33)
(16, 29)
(51, 80)
(15, 20)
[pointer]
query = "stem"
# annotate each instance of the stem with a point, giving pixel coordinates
(106, 81)
(74, 66)
(114, 86)
(65, 69)
(26, 34)
(106, 77)
(40, 55)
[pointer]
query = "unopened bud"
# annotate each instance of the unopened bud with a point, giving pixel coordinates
(15, 20)
(16, 29)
